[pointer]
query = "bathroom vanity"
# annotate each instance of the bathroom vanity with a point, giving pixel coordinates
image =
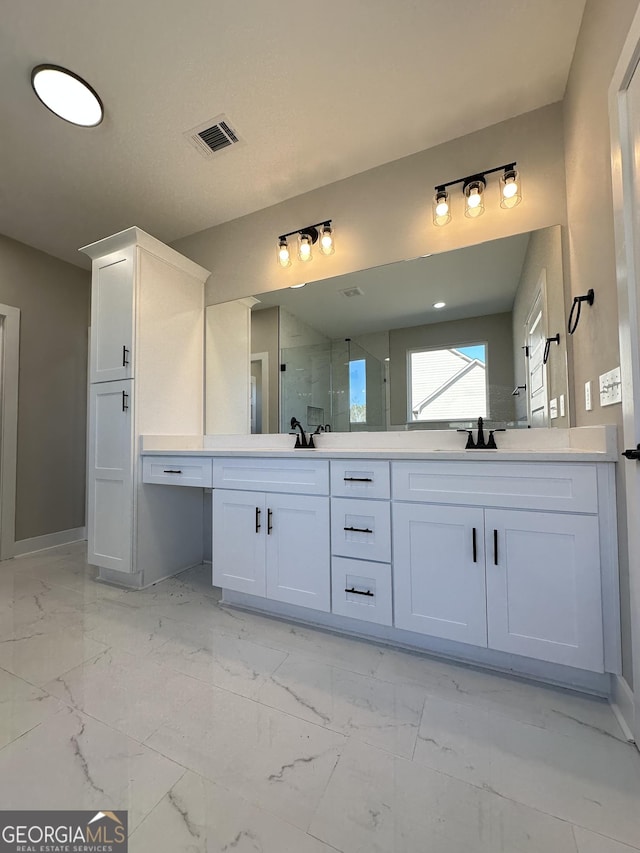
(505, 558)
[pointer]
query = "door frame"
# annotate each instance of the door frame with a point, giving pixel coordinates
(628, 316)
(10, 318)
(263, 358)
(539, 298)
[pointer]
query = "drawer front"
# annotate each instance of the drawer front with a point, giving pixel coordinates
(361, 529)
(177, 471)
(361, 590)
(360, 478)
(293, 476)
(529, 485)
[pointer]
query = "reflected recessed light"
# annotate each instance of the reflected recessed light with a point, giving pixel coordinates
(387, 359)
(439, 304)
(296, 286)
(67, 95)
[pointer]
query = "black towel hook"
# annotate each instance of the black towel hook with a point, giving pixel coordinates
(574, 316)
(547, 347)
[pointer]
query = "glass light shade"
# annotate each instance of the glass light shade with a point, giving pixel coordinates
(284, 255)
(510, 189)
(304, 247)
(441, 208)
(474, 204)
(327, 244)
(67, 95)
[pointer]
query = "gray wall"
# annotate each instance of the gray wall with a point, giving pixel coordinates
(54, 299)
(495, 329)
(590, 252)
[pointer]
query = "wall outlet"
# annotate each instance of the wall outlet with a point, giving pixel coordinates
(610, 388)
(587, 396)
(561, 405)
(553, 408)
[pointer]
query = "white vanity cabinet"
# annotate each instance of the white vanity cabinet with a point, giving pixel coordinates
(272, 544)
(146, 371)
(518, 580)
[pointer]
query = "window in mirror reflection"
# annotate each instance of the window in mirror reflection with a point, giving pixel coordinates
(358, 391)
(448, 384)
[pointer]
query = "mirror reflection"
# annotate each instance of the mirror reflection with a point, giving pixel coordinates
(432, 342)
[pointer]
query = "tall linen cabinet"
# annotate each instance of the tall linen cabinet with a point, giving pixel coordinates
(147, 378)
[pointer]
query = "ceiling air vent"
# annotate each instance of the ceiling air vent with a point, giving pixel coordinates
(214, 136)
(352, 291)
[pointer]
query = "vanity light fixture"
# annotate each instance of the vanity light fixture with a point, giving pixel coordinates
(68, 96)
(307, 238)
(473, 190)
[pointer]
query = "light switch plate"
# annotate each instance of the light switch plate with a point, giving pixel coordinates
(553, 408)
(587, 396)
(561, 405)
(610, 388)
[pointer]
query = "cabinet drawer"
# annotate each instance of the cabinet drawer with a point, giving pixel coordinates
(294, 476)
(177, 471)
(361, 590)
(528, 485)
(360, 478)
(361, 529)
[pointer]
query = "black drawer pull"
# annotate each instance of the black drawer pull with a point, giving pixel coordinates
(125, 404)
(125, 353)
(171, 471)
(495, 547)
(360, 592)
(358, 479)
(257, 519)
(269, 521)
(359, 529)
(475, 546)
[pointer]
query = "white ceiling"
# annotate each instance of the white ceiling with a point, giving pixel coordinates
(318, 91)
(474, 281)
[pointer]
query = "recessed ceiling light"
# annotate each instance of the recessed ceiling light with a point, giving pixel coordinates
(439, 304)
(296, 286)
(67, 95)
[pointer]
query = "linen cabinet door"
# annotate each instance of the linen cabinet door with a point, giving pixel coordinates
(112, 298)
(544, 595)
(110, 476)
(239, 522)
(439, 571)
(298, 551)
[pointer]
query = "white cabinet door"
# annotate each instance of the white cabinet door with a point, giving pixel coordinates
(112, 298)
(543, 587)
(298, 562)
(110, 481)
(239, 523)
(439, 571)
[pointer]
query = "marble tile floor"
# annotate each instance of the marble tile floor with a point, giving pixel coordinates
(221, 730)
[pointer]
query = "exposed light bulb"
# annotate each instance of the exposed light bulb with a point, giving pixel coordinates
(327, 245)
(284, 255)
(474, 192)
(474, 198)
(441, 210)
(511, 189)
(304, 247)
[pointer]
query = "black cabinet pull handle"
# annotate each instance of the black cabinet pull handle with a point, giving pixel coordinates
(475, 546)
(257, 519)
(125, 397)
(359, 529)
(125, 353)
(360, 592)
(269, 521)
(171, 471)
(495, 547)
(358, 479)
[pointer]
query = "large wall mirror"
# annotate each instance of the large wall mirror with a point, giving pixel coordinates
(432, 342)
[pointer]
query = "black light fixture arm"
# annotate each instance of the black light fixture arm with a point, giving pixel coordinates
(554, 340)
(310, 230)
(480, 176)
(574, 315)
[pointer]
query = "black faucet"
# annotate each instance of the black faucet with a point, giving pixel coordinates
(301, 439)
(320, 428)
(480, 444)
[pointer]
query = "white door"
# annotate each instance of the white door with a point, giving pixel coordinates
(112, 296)
(110, 481)
(239, 526)
(439, 571)
(535, 340)
(543, 586)
(298, 550)
(624, 121)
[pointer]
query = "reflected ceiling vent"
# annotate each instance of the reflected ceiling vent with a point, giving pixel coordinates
(214, 136)
(352, 291)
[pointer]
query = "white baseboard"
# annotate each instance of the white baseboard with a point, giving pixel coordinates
(622, 705)
(49, 540)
